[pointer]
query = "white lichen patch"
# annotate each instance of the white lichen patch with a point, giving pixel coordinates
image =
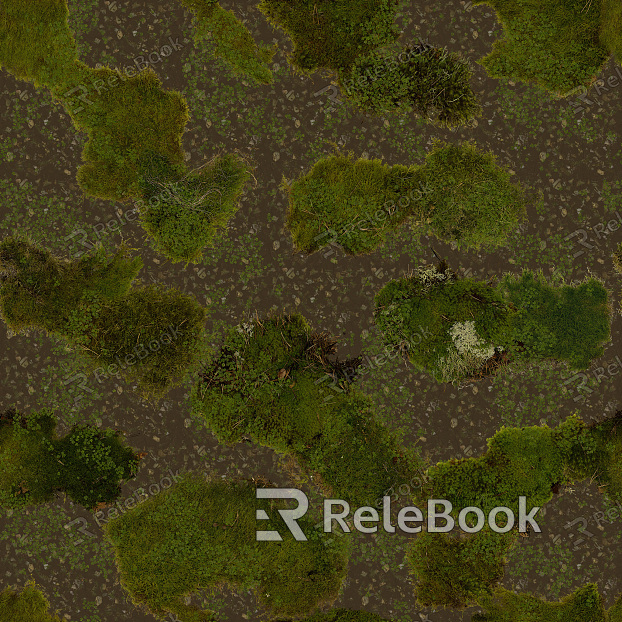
(467, 341)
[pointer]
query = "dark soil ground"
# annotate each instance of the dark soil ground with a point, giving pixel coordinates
(572, 158)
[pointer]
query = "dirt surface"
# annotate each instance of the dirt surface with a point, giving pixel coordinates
(571, 158)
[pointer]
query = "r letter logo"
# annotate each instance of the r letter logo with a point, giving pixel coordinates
(289, 516)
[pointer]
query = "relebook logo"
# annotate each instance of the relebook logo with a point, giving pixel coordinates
(364, 517)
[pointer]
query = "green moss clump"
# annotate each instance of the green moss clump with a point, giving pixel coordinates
(428, 81)
(149, 334)
(566, 323)
(354, 39)
(459, 194)
(183, 212)
(580, 606)
(349, 202)
(269, 384)
(86, 464)
(532, 462)
(558, 45)
(26, 605)
(599, 456)
(332, 34)
(457, 329)
(471, 200)
(233, 42)
(450, 327)
(202, 534)
(133, 125)
(526, 461)
(455, 571)
(124, 117)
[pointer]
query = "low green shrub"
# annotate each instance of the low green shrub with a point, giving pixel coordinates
(202, 534)
(457, 329)
(26, 605)
(459, 194)
(182, 212)
(582, 605)
(148, 333)
(233, 42)
(428, 81)
(86, 464)
(269, 383)
(561, 45)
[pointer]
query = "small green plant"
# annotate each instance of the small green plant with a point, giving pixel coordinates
(26, 605)
(87, 464)
(150, 334)
(202, 534)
